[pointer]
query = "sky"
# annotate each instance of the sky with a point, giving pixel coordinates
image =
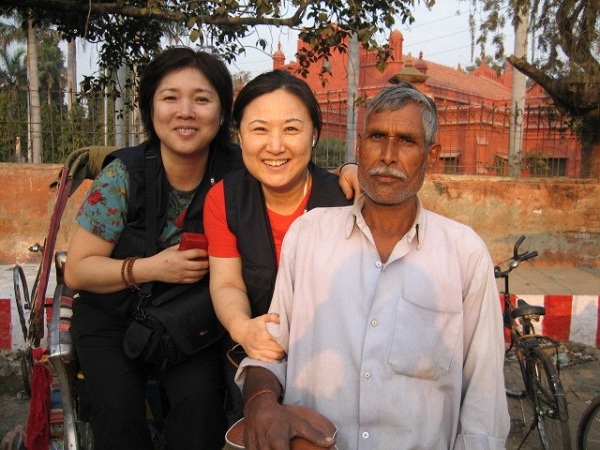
(442, 34)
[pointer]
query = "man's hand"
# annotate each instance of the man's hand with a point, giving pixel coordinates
(271, 426)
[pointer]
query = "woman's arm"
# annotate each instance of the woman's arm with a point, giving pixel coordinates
(90, 267)
(232, 306)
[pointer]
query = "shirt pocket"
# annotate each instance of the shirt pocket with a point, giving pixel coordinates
(424, 341)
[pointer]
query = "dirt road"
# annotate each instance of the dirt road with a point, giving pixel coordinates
(580, 376)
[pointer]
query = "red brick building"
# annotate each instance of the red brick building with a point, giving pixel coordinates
(474, 110)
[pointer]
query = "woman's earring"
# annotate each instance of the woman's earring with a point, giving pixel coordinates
(221, 121)
(314, 141)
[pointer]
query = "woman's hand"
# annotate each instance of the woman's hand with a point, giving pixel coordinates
(349, 180)
(252, 334)
(177, 266)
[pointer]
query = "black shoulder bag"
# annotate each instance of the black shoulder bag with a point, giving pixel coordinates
(171, 321)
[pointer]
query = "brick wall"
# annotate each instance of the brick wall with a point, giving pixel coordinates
(560, 217)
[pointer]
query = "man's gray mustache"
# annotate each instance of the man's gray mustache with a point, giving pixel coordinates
(387, 172)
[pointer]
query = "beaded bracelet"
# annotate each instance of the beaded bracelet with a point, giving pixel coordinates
(123, 268)
(131, 280)
(255, 395)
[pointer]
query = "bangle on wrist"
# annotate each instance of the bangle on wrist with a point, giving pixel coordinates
(256, 395)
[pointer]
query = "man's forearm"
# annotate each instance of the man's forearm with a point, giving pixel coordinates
(260, 385)
(260, 379)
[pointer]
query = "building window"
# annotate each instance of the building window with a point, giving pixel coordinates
(450, 165)
(450, 161)
(548, 167)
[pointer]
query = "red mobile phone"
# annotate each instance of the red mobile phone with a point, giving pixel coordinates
(193, 240)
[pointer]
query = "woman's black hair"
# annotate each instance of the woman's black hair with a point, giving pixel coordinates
(177, 58)
(272, 81)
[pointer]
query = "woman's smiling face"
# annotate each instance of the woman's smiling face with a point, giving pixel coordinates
(186, 112)
(276, 134)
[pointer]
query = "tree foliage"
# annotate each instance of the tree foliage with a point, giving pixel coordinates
(566, 62)
(566, 40)
(130, 30)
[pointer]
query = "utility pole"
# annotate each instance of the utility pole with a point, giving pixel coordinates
(351, 117)
(517, 100)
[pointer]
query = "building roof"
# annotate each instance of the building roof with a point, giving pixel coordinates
(480, 83)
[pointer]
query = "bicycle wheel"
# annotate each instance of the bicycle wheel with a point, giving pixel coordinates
(588, 430)
(21, 296)
(549, 402)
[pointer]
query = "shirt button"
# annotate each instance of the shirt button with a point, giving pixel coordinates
(367, 375)
(365, 435)
(378, 264)
(374, 323)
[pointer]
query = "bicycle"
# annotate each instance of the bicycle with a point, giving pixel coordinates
(588, 429)
(531, 366)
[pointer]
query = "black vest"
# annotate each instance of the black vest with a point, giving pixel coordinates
(133, 237)
(247, 219)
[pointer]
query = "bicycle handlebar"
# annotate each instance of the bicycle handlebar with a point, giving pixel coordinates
(516, 247)
(516, 259)
(529, 255)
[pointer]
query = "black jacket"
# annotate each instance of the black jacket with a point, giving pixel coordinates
(133, 239)
(247, 219)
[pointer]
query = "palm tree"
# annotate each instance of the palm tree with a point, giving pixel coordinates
(13, 72)
(12, 67)
(9, 34)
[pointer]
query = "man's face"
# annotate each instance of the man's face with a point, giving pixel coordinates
(392, 156)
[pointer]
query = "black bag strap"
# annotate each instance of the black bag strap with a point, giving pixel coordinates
(151, 159)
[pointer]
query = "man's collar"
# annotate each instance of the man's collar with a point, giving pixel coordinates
(417, 230)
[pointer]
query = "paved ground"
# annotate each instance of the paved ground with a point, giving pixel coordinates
(14, 403)
(581, 382)
(580, 375)
(527, 280)
(581, 379)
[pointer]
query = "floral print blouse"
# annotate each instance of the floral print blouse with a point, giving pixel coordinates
(104, 211)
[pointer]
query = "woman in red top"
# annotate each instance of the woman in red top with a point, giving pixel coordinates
(246, 216)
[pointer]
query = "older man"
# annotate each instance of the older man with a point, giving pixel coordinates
(389, 313)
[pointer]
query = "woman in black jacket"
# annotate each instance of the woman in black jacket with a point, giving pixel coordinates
(185, 99)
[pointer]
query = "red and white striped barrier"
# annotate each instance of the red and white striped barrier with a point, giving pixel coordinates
(568, 318)
(573, 318)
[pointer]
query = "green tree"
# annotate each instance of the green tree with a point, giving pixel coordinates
(566, 37)
(498, 66)
(11, 34)
(131, 30)
(13, 102)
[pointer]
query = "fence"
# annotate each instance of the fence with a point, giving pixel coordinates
(474, 138)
